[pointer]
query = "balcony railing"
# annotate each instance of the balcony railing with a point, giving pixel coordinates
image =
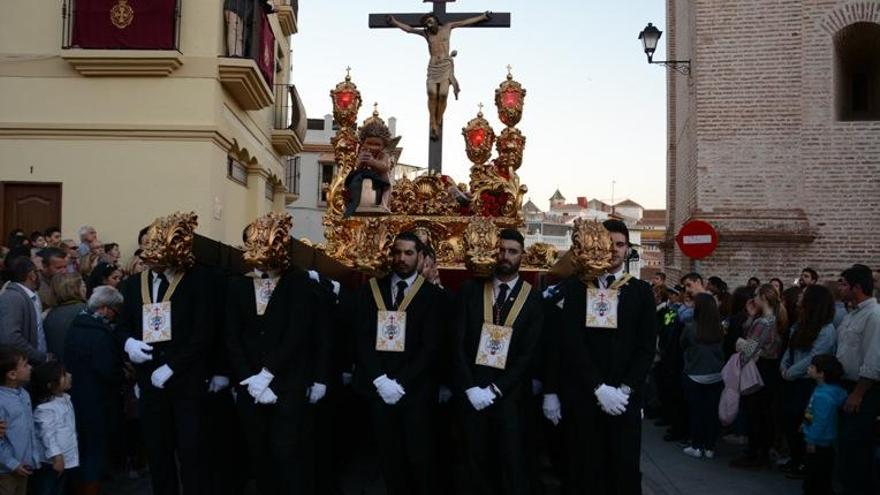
(249, 35)
(289, 111)
(153, 25)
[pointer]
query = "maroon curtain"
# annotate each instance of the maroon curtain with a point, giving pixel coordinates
(134, 24)
(266, 56)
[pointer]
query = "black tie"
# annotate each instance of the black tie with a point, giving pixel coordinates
(500, 300)
(398, 299)
(608, 281)
(163, 287)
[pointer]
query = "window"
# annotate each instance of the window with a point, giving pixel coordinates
(291, 175)
(270, 191)
(235, 171)
(857, 72)
(326, 176)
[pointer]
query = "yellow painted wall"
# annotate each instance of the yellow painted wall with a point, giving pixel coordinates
(128, 149)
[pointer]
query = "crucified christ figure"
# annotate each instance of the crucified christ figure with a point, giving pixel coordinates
(441, 71)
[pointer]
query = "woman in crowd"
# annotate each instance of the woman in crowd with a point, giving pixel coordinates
(767, 323)
(104, 274)
(733, 324)
(134, 265)
(70, 294)
(703, 360)
(811, 335)
(92, 357)
(775, 282)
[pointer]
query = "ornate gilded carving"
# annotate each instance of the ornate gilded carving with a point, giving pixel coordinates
(541, 255)
(591, 249)
(478, 138)
(481, 246)
(169, 241)
(267, 242)
(426, 195)
(462, 224)
(510, 98)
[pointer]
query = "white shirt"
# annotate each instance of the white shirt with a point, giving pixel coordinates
(409, 283)
(496, 287)
(603, 280)
(56, 430)
(858, 342)
(38, 309)
(169, 276)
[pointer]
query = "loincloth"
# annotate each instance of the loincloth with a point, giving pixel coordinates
(441, 72)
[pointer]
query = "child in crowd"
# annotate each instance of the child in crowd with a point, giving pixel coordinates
(56, 428)
(18, 447)
(820, 423)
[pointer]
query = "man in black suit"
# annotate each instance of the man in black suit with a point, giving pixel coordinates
(498, 325)
(398, 325)
(166, 326)
(275, 354)
(604, 350)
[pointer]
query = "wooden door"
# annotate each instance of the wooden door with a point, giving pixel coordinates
(30, 206)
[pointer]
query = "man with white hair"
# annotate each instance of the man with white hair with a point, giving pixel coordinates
(87, 236)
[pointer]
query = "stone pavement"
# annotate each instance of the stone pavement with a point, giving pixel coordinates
(665, 470)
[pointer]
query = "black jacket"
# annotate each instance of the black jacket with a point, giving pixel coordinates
(523, 342)
(589, 357)
(287, 339)
(415, 368)
(192, 327)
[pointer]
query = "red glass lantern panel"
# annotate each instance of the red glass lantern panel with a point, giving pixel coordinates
(344, 99)
(510, 98)
(476, 137)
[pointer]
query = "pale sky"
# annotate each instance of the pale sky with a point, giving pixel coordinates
(595, 111)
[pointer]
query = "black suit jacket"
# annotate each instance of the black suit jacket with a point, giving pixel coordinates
(523, 342)
(415, 368)
(192, 323)
(589, 357)
(287, 339)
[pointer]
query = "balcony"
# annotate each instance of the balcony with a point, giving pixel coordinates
(289, 129)
(247, 68)
(129, 40)
(288, 15)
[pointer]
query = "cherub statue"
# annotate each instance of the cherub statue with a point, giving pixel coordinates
(372, 173)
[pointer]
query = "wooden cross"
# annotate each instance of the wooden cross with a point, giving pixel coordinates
(498, 20)
(380, 21)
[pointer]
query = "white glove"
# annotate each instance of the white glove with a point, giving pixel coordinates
(267, 397)
(217, 384)
(346, 378)
(316, 392)
(314, 276)
(480, 398)
(552, 408)
(137, 391)
(161, 375)
(612, 400)
(444, 394)
(258, 383)
(537, 386)
(138, 351)
(336, 287)
(388, 389)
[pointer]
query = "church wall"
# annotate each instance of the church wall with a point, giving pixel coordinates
(782, 180)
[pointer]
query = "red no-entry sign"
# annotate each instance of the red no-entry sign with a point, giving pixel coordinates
(697, 239)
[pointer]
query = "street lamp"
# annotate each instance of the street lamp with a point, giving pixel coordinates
(650, 36)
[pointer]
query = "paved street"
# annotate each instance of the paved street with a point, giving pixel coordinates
(666, 471)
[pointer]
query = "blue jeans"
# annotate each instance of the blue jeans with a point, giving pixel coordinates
(703, 405)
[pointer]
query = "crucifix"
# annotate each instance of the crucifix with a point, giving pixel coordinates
(436, 27)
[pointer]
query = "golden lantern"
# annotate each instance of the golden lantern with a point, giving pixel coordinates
(346, 101)
(509, 99)
(478, 138)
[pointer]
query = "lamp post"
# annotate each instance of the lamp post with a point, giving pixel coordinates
(650, 36)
